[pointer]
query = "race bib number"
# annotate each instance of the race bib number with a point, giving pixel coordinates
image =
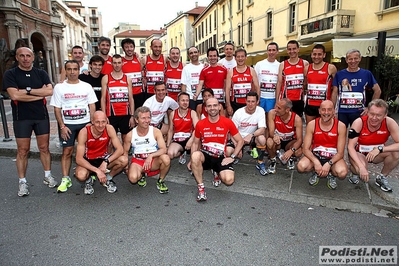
(214, 149)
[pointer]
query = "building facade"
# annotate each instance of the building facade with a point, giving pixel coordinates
(252, 24)
(139, 37)
(180, 31)
(38, 24)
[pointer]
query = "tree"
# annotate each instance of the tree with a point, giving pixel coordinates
(388, 67)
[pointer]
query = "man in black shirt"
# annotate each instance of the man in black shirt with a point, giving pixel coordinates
(94, 77)
(28, 88)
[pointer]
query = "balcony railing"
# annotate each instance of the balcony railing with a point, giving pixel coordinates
(335, 23)
(93, 25)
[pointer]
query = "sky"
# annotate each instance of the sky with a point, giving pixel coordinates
(149, 14)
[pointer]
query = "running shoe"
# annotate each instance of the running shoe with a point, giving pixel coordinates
(291, 164)
(314, 179)
(354, 179)
(254, 153)
(272, 167)
(201, 195)
(182, 158)
(262, 168)
(23, 189)
(88, 186)
(50, 181)
(382, 182)
(65, 184)
(162, 186)
(110, 185)
(142, 182)
(216, 181)
(331, 182)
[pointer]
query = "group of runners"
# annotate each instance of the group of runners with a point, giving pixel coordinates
(164, 109)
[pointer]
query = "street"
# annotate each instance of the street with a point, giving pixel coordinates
(139, 226)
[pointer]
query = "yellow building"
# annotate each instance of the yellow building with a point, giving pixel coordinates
(253, 24)
(180, 31)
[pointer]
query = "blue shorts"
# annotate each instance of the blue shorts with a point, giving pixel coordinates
(267, 104)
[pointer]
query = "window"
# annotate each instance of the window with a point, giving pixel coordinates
(206, 28)
(230, 8)
(250, 2)
(202, 29)
(269, 26)
(224, 37)
(292, 18)
(34, 3)
(181, 39)
(249, 30)
(142, 42)
(171, 42)
(391, 3)
(333, 5)
(239, 34)
(223, 13)
(239, 4)
(210, 23)
(214, 19)
(93, 12)
(196, 35)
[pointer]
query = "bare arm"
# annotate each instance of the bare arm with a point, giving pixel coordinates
(183, 87)
(307, 143)
(271, 115)
(334, 95)
(20, 95)
(171, 128)
(228, 88)
(62, 75)
(116, 143)
(127, 143)
(104, 85)
(393, 128)
(356, 126)
(199, 89)
(298, 132)
(279, 81)
(131, 102)
(255, 82)
(161, 144)
(341, 143)
(92, 108)
(332, 70)
(377, 91)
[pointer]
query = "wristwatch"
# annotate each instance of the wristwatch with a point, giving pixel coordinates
(233, 156)
(293, 149)
(330, 162)
(28, 90)
(380, 148)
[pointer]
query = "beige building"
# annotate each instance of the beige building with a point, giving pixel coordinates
(253, 24)
(180, 31)
(139, 37)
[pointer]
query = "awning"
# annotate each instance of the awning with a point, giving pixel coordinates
(367, 47)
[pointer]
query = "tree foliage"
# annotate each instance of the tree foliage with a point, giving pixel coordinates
(388, 68)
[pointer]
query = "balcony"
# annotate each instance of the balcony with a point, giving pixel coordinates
(335, 23)
(93, 25)
(95, 34)
(94, 43)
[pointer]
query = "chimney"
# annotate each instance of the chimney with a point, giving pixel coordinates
(196, 4)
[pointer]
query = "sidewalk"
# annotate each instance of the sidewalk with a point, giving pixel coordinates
(285, 184)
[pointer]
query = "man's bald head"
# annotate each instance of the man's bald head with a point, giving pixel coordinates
(327, 104)
(21, 50)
